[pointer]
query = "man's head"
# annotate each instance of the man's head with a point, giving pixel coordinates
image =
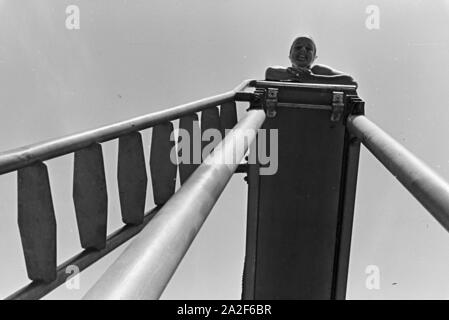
(302, 52)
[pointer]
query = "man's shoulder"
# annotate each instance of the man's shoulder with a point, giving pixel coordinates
(277, 68)
(322, 69)
(277, 73)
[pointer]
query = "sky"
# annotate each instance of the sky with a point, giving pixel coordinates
(131, 58)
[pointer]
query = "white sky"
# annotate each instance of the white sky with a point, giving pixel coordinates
(134, 57)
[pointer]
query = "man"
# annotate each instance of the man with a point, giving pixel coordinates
(302, 55)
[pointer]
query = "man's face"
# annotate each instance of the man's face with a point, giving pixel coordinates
(302, 53)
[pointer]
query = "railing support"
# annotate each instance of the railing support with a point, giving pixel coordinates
(421, 181)
(145, 267)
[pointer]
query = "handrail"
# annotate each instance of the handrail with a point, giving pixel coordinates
(145, 267)
(264, 83)
(17, 158)
(30, 155)
(421, 181)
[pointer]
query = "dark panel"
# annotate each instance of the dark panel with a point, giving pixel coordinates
(163, 170)
(37, 223)
(90, 196)
(132, 178)
(192, 146)
(298, 208)
(210, 119)
(228, 116)
(300, 219)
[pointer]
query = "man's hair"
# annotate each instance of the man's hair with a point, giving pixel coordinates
(307, 37)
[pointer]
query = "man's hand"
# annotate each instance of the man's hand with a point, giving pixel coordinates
(279, 74)
(288, 74)
(299, 71)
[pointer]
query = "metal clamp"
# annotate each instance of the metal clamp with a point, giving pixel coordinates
(266, 99)
(271, 102)
(355, 104)
(338, 105)
(257, 99)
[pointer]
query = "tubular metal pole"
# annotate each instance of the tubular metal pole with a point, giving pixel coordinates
(145, 267)
(14, 159)
(422, 182)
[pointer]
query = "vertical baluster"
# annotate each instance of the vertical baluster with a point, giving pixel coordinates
(90, 196)
(210, 119)
(189, 146)
(228, 116)
(163, 168)
(132, 178)
(37, 223)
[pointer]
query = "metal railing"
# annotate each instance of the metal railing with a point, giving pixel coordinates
(18, 158)
(36, 216)
(145, 267)
(421, 181)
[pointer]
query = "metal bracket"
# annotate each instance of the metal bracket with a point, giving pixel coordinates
(338, 105)
(266, 99)
(271, 102)
(354, 106)
(257, 100)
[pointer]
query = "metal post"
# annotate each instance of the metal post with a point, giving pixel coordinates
(421, 181)
(145, 267)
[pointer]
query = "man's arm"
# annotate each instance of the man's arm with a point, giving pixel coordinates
(325, 75)
(322, 73)
(321, 69)
(278, 74)
(334, 79)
